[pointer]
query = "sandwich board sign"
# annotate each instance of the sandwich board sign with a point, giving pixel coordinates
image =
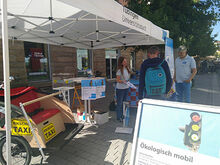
(171, 133)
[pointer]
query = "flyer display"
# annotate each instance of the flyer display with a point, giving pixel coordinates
(131, 85)
(167, 133)
(93, 89)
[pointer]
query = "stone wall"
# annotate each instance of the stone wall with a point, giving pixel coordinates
(63, 60)
(99, 62)
(139, 56)
(17, 63)
(127, 53)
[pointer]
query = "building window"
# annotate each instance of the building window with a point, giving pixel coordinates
(83, 61)
(132, 61)
(36, 61)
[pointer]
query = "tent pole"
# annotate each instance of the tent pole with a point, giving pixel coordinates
(6, 80)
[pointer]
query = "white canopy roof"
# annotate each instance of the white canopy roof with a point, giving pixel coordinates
(90, 24)
(87, 24)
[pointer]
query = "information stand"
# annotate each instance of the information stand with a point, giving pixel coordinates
(171, 133)
(92, 89)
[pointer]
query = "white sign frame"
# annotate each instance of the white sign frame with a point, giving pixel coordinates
(186, 106)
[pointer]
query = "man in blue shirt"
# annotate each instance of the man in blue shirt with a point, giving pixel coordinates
(185, 71)
(153, 61)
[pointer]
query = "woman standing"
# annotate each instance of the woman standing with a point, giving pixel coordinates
(122, 76)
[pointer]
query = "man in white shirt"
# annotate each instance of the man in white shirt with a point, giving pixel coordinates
(185, 71)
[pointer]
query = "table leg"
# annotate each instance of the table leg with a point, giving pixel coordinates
(68, 94)
(89, 109)
(86, 109)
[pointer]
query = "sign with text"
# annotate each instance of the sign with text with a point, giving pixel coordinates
(167, 133)
(20, 127)
(93, 89)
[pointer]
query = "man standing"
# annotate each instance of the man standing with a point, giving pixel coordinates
(159, 76)
(185, 70)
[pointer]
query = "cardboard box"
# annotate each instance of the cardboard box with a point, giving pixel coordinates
(55, 122)
(101, 117)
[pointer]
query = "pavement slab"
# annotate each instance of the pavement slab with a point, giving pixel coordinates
(100, 145)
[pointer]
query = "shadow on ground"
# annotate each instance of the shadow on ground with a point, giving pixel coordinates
(95, 145)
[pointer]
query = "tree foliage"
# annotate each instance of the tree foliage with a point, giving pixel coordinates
(189, 22)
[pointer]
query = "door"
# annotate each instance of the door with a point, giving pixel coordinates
(111, 63)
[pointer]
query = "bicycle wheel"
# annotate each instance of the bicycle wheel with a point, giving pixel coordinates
(20, 151)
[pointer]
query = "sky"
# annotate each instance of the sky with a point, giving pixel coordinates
(217, 30)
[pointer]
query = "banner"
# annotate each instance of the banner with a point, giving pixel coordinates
(167, 133)
(169, 57)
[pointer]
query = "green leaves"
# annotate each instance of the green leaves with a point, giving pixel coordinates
(189, 21)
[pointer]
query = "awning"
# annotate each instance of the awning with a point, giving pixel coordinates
(89, 24)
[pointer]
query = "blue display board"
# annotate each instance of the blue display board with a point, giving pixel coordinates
(174, 133)
(93, 88)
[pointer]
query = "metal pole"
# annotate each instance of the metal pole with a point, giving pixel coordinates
(89, 110)
(32, 131)
(91, 60)
(49, 62)
(86, 109)
(110, 67)
(6, 80)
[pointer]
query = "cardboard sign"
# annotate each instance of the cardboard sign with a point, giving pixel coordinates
(171, 133)
(20, 127)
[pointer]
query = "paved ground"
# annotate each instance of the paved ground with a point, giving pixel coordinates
(95, 145)
(207, 89)
(100, 145)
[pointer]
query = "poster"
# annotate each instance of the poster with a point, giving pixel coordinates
(93, 89)
(168, 133)
(169, 57)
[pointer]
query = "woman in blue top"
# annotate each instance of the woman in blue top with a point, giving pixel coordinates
(122, 76)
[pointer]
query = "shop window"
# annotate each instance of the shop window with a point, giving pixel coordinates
(36, 61)
(132, 61)
(83, 61)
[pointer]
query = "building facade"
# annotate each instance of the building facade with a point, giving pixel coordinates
(36, 64)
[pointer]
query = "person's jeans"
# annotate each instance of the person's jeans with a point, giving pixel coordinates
(183, 92)
(121, 95)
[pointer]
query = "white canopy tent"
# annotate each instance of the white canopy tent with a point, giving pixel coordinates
(90, 24)
(82, 24)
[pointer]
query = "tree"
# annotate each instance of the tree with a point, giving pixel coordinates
(188, 21)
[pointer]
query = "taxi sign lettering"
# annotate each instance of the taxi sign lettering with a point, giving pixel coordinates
(49, 131)
(20, 127)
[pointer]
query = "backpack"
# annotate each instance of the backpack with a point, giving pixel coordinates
(155, 80)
